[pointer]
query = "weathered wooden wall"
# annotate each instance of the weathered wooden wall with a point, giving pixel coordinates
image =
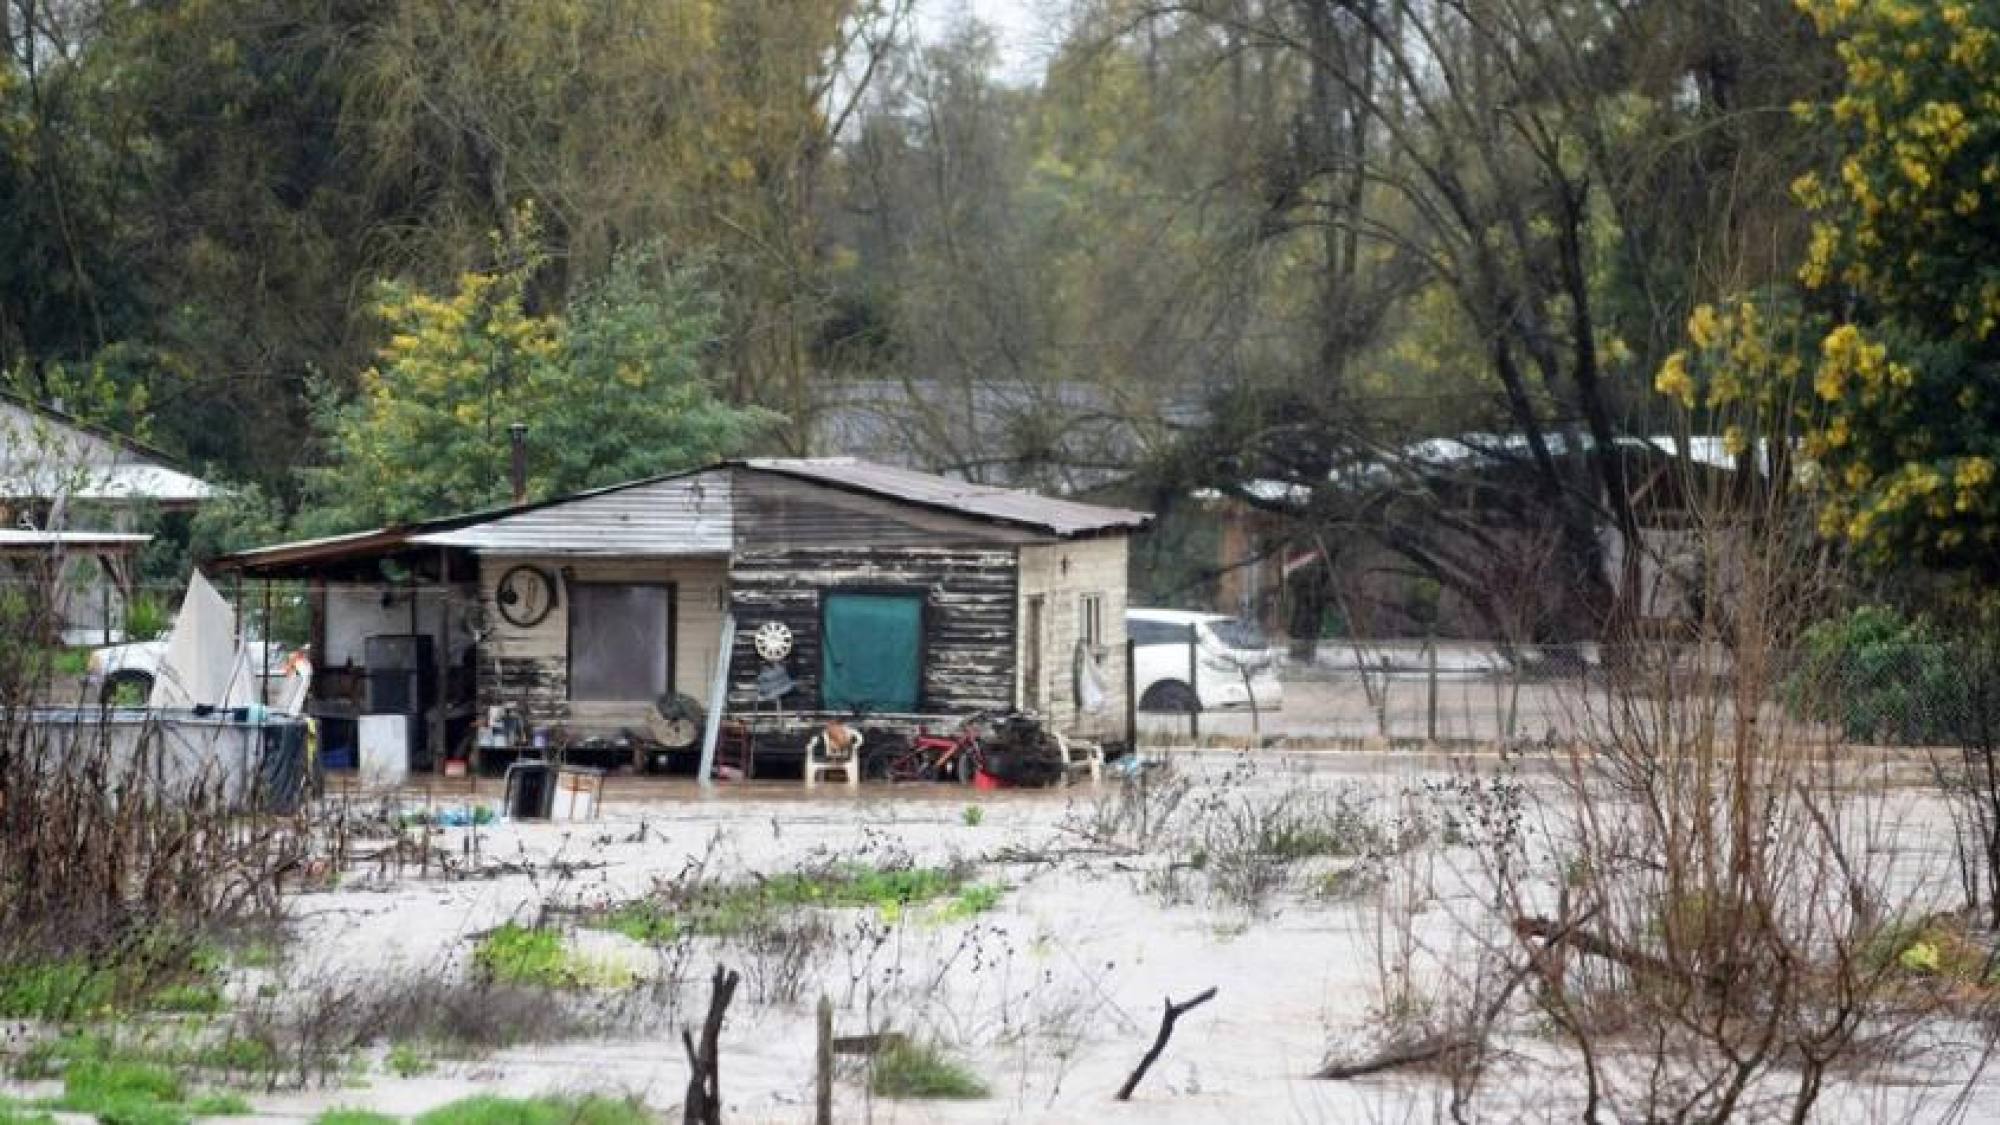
(530, 667)
(969, 598)
(1063, 574)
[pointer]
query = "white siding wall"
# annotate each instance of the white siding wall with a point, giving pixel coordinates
(1062, 574)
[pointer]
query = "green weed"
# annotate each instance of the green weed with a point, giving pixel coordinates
(971, 902)
(55, 990)
(220, 1105)
(973, 816)
(538, 1111)
(407, 1060)
(353, 1117)
(913, 1070)
(516, 954)
(730, 909)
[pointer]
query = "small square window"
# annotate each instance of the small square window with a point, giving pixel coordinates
(1090, 619)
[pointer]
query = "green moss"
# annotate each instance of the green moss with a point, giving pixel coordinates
(917, 1071)
(538, 1111)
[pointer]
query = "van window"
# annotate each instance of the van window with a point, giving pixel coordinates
(1239, 634)
(1155, 633)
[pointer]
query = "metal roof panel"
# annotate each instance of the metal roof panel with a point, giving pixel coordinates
(982, 501)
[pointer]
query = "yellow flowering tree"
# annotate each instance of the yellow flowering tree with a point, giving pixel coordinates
(1893, 376)
(613, 391)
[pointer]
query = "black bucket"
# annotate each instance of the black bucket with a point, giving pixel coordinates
(531, 790)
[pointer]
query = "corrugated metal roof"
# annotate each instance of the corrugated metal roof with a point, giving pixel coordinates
(683, 515)
(20, 539)
(688, 513)
(1007, 505)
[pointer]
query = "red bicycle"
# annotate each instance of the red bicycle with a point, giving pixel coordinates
(934, 757)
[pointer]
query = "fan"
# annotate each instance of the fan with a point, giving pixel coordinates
(675, 721)
(773, 640)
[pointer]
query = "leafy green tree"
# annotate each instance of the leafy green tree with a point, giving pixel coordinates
(615, 390)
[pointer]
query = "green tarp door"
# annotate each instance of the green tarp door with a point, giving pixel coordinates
(869, 652)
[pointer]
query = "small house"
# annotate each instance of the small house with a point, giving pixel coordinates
(73, 499)
(791, 590)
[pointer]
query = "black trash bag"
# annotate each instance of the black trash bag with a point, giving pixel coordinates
(1021, 751)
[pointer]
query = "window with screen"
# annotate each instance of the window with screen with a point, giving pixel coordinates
(620, 641)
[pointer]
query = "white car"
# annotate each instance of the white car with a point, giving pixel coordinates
(1234, 666)
(125, 673)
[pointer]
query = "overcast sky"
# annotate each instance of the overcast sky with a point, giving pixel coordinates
(1027, 30)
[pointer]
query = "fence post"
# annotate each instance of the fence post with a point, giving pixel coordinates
(1431, 692)
(1194, 684)
(1131, 695)
(823, 1065)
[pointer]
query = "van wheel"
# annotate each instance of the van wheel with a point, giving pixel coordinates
(1169, 695)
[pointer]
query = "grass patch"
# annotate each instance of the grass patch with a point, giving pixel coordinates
(970, 902)
(538, 1111)
(516, 954)
(917, 1071)
(354, 1117)
(14, 1115)
(407, 1060)
(125, 1092)
(156, 971)
(739, 908)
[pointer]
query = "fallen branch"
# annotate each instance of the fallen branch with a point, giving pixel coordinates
(1446, 1045)
(1596, 945)
(1173, 1012)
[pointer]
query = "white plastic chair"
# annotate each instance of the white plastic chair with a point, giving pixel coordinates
(1080, 756)
(823, 755)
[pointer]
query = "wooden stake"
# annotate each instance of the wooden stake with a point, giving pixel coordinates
(823, 1072)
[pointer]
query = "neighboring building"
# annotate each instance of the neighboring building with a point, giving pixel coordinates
(1072, 436)
(1261, 556)
(71, 496)
(903, 597)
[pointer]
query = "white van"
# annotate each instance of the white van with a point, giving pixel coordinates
(1234, 665)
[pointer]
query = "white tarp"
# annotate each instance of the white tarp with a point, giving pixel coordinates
(202, 661)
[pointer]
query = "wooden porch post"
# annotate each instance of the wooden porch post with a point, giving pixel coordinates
(439, 720)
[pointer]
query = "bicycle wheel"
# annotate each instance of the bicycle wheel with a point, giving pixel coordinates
(966, 765)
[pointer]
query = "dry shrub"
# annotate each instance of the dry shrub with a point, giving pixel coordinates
(1688, 906)
(109, 839)
(308, 1029)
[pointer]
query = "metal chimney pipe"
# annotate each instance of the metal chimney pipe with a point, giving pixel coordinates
(517, 441)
